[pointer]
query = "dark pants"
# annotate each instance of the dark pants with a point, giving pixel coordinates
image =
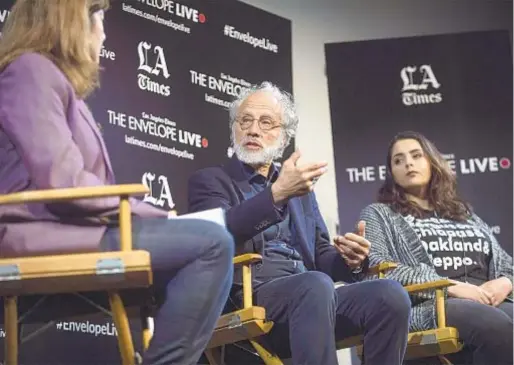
(316, 314)
(192, 265)
(485, 330)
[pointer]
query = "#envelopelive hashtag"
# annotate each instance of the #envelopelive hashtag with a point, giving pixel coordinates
(107, 329)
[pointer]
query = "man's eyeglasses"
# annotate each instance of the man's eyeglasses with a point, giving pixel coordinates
(265, 123)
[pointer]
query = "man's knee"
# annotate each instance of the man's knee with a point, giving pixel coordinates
(317, 287)
(393, 298)
(486, 319)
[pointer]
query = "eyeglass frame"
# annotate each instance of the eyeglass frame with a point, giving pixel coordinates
(240, 121)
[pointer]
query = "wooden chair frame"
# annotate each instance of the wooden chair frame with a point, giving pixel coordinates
(250, 323)
(70, 273)
(53, 274)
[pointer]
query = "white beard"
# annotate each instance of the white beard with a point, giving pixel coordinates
(260, 157)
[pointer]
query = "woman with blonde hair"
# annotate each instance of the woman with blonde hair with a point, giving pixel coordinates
(49, 64)
(421, 223)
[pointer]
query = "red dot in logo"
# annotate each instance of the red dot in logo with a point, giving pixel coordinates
(505, 163)
(205, 142)
(202, 18)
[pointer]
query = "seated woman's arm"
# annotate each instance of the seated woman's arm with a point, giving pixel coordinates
(505, 262)
(379, 234)
(504, 274)
(35, 98)
(506, 267)
(501, 275)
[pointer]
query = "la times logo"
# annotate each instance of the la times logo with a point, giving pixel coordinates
(153, 63)
(159, 190)
(420, 86)
(177, 9)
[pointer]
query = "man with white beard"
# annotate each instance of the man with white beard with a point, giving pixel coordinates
(273, 211)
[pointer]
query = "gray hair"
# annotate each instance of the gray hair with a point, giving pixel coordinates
(285, 99)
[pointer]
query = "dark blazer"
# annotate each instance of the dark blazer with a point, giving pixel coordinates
(48, 140)
(224, 186)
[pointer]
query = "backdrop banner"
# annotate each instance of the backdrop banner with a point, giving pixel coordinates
(456, 89)
(170, 70)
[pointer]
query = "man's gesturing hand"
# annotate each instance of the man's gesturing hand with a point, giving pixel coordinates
(354, 248)
(294, 180)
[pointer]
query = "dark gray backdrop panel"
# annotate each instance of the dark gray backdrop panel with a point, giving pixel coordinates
(469, 118)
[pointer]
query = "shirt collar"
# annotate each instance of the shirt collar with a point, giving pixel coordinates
(252, 175)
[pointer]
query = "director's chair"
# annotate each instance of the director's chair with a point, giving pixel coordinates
(436, 342)
(250, 324)
(110, 272)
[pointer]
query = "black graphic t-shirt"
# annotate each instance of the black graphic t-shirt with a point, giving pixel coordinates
(459, 251)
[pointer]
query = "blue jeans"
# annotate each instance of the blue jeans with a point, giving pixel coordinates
(192, 266)
(485, 330)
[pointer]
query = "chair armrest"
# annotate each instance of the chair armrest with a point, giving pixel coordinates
(438, 286)
(70, 273)
(50, 195)
(382, 268)
(247, 259)
(431, 285)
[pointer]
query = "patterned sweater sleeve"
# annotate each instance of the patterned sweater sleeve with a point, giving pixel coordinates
(381, 233)
(505, 263)
(502, 258)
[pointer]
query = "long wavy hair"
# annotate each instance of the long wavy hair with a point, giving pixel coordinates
(442, 187)
(59, 30)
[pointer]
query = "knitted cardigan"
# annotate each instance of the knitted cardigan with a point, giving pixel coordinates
(392, 239)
